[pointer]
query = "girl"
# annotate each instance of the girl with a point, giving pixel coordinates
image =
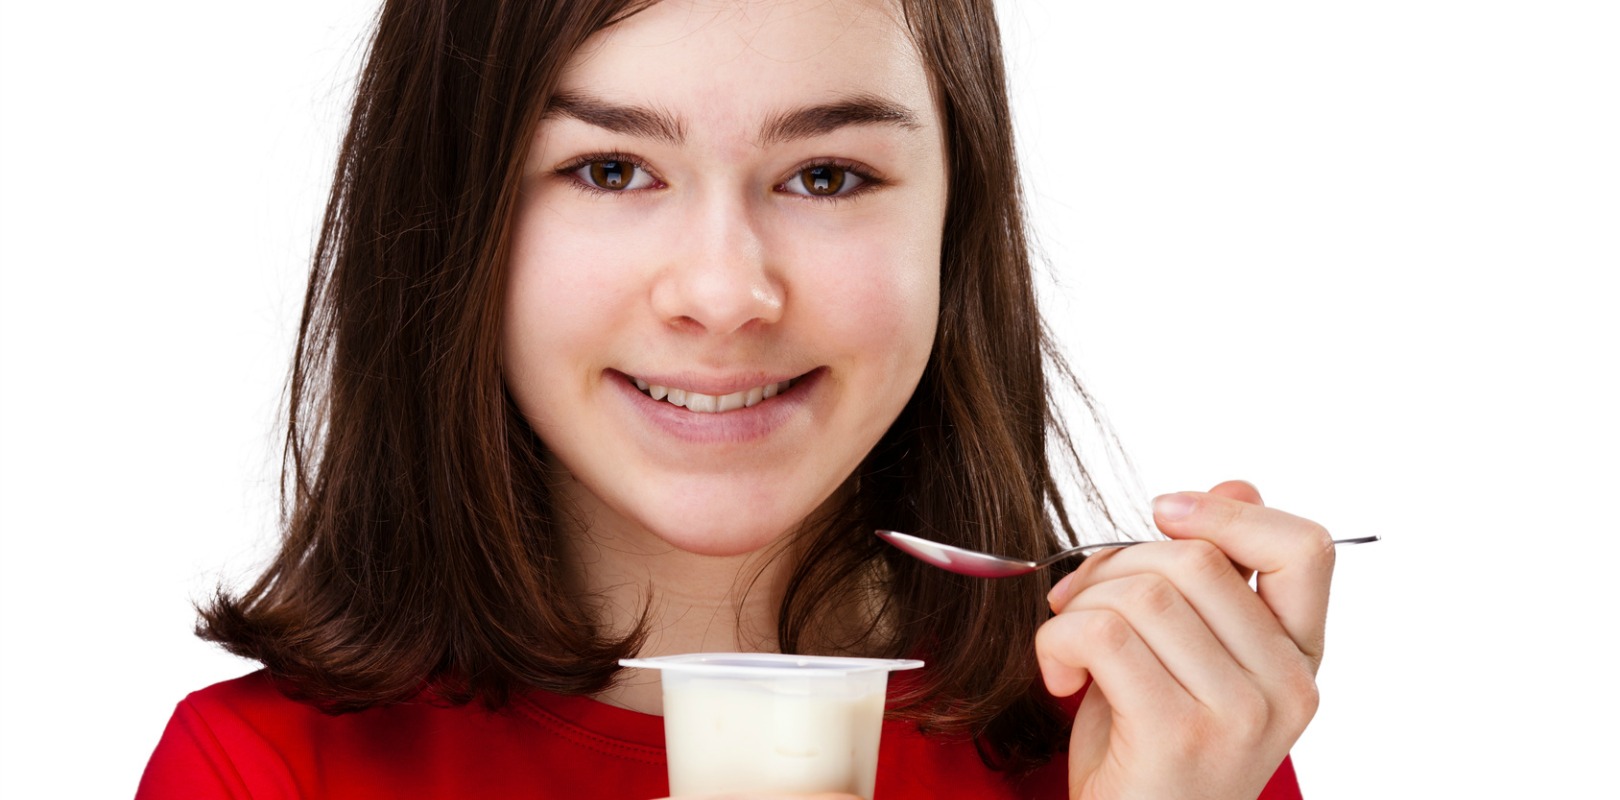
(629, 322)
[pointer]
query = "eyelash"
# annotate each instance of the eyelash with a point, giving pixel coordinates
(868, 180)
(567, 171)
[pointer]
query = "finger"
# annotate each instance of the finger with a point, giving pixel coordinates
(1245, 492)
(1214, 589)
(1101, 644)
(1178, 636)
(1236, 490)
(1242, 491)
(1292, 555)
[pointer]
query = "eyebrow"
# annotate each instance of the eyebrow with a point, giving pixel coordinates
(637, 121)
(864, 109)
(799, 123)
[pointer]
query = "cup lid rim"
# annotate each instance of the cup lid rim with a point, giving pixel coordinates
(770, 665)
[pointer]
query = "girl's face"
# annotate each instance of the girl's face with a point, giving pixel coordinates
(725, 269)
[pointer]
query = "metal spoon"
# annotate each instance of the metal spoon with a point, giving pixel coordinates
(984, 565)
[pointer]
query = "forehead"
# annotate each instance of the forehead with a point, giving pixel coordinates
(737, 61)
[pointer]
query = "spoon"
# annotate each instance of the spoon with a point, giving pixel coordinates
(984, 565)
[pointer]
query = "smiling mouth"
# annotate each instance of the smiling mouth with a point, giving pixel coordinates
(709, 403)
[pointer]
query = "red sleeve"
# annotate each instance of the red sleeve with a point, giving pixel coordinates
(189, 762)
(1283, 785)
(1053, 782)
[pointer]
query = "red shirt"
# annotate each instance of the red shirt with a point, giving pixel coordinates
(244, 739)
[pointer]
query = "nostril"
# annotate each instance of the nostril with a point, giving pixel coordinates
(718, 297)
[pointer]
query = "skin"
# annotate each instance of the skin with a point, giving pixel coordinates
(711, 266)
(1200, 684)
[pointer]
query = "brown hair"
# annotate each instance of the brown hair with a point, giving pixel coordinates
(420, 546)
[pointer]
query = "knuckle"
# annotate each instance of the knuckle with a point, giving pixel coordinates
(1310, 701)
(1203, 737)
(1202, 559)
(1226, 512)
(1303, 697)
(1292, 699)
(1323, 540)
(1316, 545)
(1247, 716)
(1189, 742)
(1105, 631)
(1153, 593)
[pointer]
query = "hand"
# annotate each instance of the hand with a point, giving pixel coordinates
(1200, 685)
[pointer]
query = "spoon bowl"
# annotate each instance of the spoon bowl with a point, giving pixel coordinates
(963, 561)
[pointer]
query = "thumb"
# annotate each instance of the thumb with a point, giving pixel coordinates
(1243, 492)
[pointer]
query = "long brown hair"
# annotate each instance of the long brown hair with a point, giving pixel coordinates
(420, 544)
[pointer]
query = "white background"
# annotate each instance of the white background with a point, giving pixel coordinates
(1362, 254)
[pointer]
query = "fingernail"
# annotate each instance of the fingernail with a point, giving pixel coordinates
(1059, 590)
(1171, 507)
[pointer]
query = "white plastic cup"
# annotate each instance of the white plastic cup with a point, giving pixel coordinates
(764, 722)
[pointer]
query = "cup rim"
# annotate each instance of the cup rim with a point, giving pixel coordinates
(769, 665)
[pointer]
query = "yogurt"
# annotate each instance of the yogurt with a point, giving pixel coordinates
(757, 722)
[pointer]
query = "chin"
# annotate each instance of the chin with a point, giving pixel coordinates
(722, 537)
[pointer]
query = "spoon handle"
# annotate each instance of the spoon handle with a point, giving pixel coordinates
(1087, 548)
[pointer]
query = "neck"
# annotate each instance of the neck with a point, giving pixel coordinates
(692, 603)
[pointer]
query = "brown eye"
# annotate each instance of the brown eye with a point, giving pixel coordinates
(822, 180)
(611, 174)
(826, 181)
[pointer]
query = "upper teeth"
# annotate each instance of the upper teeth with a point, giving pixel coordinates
(708, 403)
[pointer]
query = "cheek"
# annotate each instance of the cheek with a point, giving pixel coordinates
(567, 283)
(549, 260)
(546, 320)
(881, 292)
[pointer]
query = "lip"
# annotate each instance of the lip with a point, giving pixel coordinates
(710, 384)
(749, 424)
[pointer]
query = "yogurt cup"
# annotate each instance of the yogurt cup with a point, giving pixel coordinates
(766, 722)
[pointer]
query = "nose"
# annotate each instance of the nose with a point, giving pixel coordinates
(717, 277)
